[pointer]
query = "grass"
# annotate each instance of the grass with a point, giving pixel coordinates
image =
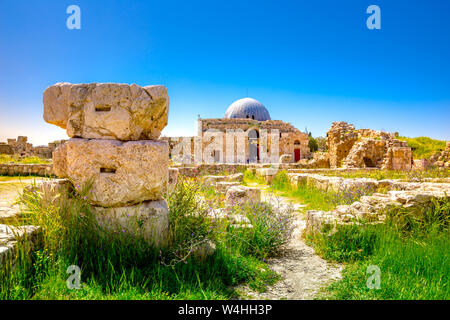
(250, 178)
(424, 147)
(5, 158)
(410, 251)
(116, 265)
(314, 198)
(414, 175)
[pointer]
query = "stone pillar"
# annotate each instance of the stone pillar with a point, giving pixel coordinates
(114, 130)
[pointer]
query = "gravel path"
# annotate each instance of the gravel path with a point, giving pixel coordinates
(302, 271)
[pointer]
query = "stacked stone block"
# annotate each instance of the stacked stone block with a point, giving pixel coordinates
(114, 145)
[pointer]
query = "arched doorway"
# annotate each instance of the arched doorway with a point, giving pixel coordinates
(297, 152)
(253, 145)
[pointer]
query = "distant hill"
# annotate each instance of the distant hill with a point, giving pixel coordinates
(424, 147)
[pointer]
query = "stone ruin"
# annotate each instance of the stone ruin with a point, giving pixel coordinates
(19, 146)
(114, 145)
(366, 148)
(442, 159)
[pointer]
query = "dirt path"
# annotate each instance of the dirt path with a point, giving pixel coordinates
(302, 271)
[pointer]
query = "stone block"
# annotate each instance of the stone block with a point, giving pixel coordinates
(107, 110)
(122, 173)
(242, 195)
(149, 220)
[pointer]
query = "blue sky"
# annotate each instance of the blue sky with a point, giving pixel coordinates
(309, 62)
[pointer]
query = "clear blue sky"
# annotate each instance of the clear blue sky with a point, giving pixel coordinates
(310, 62)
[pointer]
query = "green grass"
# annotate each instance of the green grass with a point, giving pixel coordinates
(413, 175)
(115, 265)
(5, 158)
(424, 147)
(411, 252)
(314, 198)
(251, 178)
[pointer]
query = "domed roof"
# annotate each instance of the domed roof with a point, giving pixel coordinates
(247, 108)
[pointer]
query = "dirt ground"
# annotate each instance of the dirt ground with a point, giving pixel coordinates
(303, 273)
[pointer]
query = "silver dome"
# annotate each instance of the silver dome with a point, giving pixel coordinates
(247, 108)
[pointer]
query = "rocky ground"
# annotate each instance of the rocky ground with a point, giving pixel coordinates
(303, 273)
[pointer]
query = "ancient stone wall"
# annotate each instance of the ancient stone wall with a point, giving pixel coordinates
(22, 148)
(366, 148)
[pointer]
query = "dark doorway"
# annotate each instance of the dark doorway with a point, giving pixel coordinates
(368, 163)
(296, 155)
(253, 145)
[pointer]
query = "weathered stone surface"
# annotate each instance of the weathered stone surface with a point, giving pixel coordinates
(242, 194)
(223, 186)
(149, 220)
(374, 208)
(286, 158)
(9, 213)
(9, 236)
(237, 177)
(340, 140)
(51, 193)
(122, 173)
(365, 148)
(107, 110)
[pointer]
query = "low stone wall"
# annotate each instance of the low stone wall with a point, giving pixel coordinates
(336, 184)
(7, 169)
(373, 208)
(399, 195)
(9, 236)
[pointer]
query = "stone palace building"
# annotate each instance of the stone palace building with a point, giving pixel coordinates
(246, 134)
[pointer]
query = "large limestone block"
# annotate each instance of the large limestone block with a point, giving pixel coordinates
(107, 110)
(149, 220)
(122, 173)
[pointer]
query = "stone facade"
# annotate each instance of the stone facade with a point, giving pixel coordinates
(241, 141)
(366, 148)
